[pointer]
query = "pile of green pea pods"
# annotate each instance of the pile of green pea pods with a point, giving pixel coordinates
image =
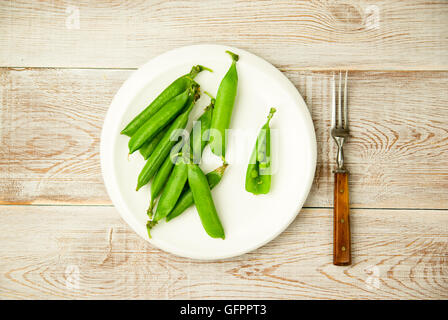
(177, 180)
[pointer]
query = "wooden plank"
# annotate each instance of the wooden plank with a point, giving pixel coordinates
(379, 35)
(397, 254)
(51, 121)
(396, 153)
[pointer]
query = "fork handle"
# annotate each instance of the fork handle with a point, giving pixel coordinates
(341, 222)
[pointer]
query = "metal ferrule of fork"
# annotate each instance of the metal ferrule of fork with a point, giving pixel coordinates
(340, 156)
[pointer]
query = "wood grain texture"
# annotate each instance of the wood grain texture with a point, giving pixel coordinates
(43, 246)
(50, 128)
(51, 120)
(398, 135)
(319, 34)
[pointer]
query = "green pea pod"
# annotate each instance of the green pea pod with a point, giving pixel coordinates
(164, 147)
(175, 88)
(225, 99)
(172, 190)
(186, 199)
(258, 174)
(204, 202)
(159, 181)
(158, 121)
(149, 146)
(163, 173)
(200, 132)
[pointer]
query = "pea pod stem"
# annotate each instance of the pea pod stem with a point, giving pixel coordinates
(175, 88)
(210, 95)
(199, 68)
(234, 56)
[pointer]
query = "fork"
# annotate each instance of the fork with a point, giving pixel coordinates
(339, 132)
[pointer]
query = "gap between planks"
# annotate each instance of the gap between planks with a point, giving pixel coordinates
(303, 208)
(281, 68)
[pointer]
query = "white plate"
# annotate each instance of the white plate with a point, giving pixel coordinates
(249, 221)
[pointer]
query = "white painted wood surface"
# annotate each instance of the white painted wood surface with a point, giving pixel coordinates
(397, 254)
(318, 34)
(56, 219)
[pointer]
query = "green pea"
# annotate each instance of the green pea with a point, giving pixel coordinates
(186, 199)
(225, 99)
(258, 174)
(175, 88)
(203, 200)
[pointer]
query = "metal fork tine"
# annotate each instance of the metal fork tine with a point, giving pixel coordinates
(339, 109)
(333, 102)
(345, 102)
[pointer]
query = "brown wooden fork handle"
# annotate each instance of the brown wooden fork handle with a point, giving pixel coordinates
(341, 222)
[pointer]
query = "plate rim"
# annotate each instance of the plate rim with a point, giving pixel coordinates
(106, 146)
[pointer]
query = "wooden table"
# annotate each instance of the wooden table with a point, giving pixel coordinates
(61, 64)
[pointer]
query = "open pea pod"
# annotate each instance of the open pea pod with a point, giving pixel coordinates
(258, 174)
